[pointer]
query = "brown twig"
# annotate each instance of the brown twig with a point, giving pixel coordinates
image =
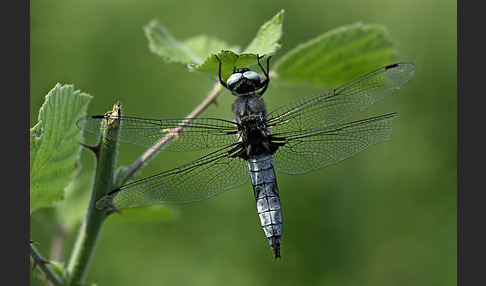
(152, 151)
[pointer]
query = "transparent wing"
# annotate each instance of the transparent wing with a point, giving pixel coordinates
(340, 103)
(199, 133)
(198, 180)
(309, 150)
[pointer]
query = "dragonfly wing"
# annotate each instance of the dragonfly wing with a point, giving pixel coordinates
(338, 104)
(196, 181)
(198, 134)
(305, 151)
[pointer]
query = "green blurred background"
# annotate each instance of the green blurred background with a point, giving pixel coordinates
(385, 217)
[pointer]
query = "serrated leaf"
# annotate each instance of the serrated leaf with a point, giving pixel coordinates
(267, 37)
(54, 144)
(191, 51)
(198, 52)
(337, 56)
(229, 61)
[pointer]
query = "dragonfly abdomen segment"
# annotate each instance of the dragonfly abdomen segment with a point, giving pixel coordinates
(267, 199)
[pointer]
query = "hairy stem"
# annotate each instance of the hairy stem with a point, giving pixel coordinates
(43, 266)
(152, 151)
(106, 152)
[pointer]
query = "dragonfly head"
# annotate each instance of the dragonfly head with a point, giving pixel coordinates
(243, 81)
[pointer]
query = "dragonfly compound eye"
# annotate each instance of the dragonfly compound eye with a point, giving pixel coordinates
(251, 75)
(234, 78)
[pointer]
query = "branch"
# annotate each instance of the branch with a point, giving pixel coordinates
(103, 183)
(152, 151)
(44, 267)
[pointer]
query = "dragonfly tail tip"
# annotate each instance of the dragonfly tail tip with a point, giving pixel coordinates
(276, 251)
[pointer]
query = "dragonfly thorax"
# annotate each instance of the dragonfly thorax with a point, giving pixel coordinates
(253, 129)
(255, 137)
(248, 106)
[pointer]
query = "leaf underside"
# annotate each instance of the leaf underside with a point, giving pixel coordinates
(198, 52)
(190, 51)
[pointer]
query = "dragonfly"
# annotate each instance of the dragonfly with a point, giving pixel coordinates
(305, 135)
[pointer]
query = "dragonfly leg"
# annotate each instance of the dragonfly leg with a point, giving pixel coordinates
(219, 73)
(265, 83)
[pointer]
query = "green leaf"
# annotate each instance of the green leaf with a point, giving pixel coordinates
(198, 52)
(191, 51)
(337, 56)
(54, 144)
(229, 61)
(266, 40)
(203, 45)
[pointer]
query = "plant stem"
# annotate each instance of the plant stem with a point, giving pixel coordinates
(44, 267)
(106, 152)
(152, 151)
